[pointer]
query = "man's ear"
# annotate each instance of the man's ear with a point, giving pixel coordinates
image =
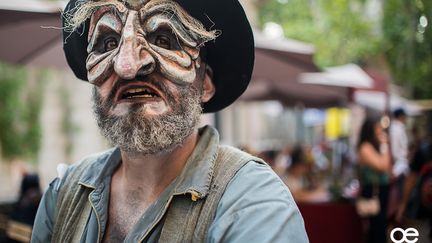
(208, 86)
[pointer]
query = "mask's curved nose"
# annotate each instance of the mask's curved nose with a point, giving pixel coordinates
(132, 59)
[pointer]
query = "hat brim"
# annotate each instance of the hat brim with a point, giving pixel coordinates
(231, 55)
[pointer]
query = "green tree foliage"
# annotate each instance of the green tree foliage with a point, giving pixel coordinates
(346, 31)
(407, 27)
(20, 106)
(339, 29)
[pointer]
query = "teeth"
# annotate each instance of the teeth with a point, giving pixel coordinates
(140, 96)
(131, 91)
(138, 93)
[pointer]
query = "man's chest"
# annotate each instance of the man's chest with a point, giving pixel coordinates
(124, 212)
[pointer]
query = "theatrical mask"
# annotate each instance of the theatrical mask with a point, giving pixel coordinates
(132, 37)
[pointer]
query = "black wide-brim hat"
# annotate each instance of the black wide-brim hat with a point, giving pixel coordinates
(230, 55)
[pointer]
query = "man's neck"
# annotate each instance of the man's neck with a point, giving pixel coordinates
(154, 172)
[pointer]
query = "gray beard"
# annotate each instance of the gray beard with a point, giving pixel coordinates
(137, 134)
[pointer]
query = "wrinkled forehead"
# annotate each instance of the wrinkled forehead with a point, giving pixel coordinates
(144, 8)
(151, 14)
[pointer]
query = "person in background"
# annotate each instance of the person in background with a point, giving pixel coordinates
(400, 152)
(374, 169)
(426, 195)
(420, 177)
(30, 195)
(283, 160)
(24, 210)
(399, 143)
(299, 178)
(269, 157)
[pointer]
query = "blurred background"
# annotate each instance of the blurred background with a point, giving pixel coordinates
(321, 68)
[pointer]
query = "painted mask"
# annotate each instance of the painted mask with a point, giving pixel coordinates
(131, 37)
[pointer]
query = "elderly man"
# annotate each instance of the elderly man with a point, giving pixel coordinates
(156, 65)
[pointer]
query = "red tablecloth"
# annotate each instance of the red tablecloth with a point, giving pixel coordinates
(331, 222)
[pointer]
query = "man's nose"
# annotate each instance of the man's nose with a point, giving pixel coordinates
(132, 58)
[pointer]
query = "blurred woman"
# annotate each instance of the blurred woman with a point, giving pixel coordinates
(374, 169)
(299, 178)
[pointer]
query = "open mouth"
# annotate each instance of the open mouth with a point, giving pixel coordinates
(136, 93)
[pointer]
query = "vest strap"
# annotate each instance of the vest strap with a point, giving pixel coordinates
(72, 207)
(187, 220)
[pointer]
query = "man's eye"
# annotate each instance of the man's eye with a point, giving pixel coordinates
(163, 41)
(110, 44)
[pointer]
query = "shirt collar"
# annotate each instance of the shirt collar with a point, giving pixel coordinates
(102, 166)
(195, 177)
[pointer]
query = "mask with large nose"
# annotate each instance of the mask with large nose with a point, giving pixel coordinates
(136, 40)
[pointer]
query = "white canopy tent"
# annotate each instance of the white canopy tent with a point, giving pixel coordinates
(349, 75)
(377, 101)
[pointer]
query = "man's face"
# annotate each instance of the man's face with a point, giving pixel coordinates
(147, 73)
(136, 45)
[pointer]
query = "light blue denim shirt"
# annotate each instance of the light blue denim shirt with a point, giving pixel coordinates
(255, 207)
